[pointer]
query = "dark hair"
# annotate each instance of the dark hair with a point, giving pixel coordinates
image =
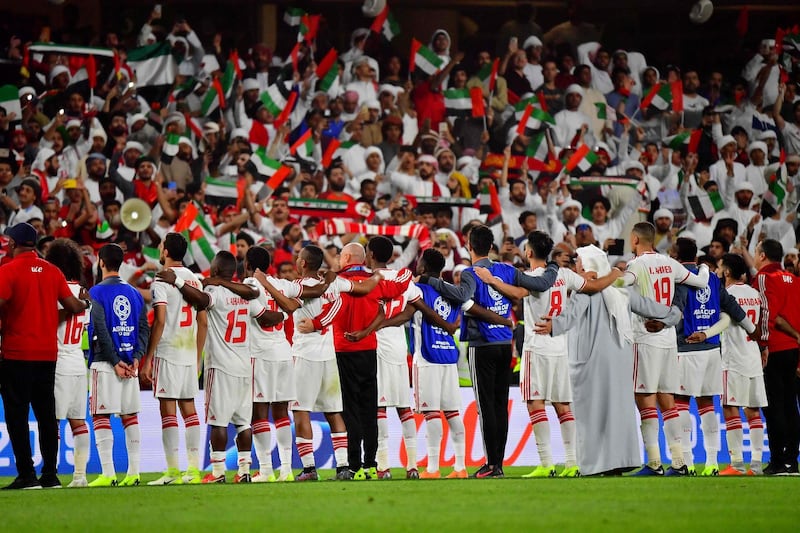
(246, 237)
(736, 264)
(481, 239)
(109, 203)
(686, 249)
(112, 255)
(66, 255)
(445, 210)
(226, 263)
(603, 200)
(772, 249)
(314, 256)
(524, 215)
(381, 248)
(646, 231)
(434, 261)
(193, 188)
(175, 244)
(724, 242)
(540, 244)
(706, 259)
(337, 163)
(258, 258)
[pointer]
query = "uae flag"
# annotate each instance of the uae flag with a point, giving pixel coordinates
(488, 203)
(705, 205)
(270, 170)
(537, 148)
(193, 226)
(304, 146)
(532, 118)
(293, 16)
(582, 159)
(309, 24)
(776, 183)
(458, 103)
(690, 138)
(606, 112)
(488, 74)
(155, 69)
(276, 97)
(222, 191)
(424, 59)
(219, 91)
(171, 142)
(386, 24)
(327, 71)
(336, 150)
(9, 100)
(664, 95)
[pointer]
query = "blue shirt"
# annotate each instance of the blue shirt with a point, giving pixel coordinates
(118, 329)
(436, 345)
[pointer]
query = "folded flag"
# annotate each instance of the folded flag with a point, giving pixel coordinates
(270, 170)
(478, 105)
(582, 159)
(537, 147)
(663, 95)
(531, 117)
(386, 24)
(424, 59)
(9, 100)
(689, 137)
(276, 97)
(309, 24)
(303, 146)
(336, 149)
(220, 90)
(222, 190)
(705, 205)
(293, 15)
(488, 74)
(606, 112)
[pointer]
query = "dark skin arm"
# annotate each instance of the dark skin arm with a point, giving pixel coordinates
(194, 297)
(287, 304)
(376, 322)
(481, 313)
(239, 289)
(433, 317)
(360, 288)
(399, 319)
(270, 318)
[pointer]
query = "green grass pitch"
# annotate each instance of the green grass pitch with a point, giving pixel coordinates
(587, 504)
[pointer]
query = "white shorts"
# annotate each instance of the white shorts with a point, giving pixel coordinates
(436, 387)
(174, 382)
(273, 381)
(70, 392)
(544, 378)
(701, 373)
(741, 391)
(655, 369)
(111, 395)
(228, 399)
(393, 385)
(318, 386)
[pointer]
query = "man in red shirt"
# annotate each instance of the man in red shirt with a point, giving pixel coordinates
(30, 289)
(779, 324)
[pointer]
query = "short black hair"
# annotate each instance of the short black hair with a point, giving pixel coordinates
(434, 261)
(314, 256)
(706, 259)
(645, 231)
(67, 256)
(381, 248)
(258, 258)
(109, 203)
(540, 244)
(226, 263)
(246, 237)
(772, 249)
(112, 255)
(175, 244)
(445, 210)
(736, 264)
(524, 215)
(724, 242)
(603, 200)
(686, 249)
(481, 239)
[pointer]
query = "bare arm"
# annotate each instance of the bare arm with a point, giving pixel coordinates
(356, 336)
(287, 304)
(202, 331)
(509, 291)
(270, 318)
(197, 298)
(433, 317)
(401, 318)
(239, 289)
(490, 317)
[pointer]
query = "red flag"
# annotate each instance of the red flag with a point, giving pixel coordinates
(782, 158)
(220, 92)
(523, 122)
(312, 23)
(493, 75)
(415, 46)
(542, 101)
(196, 129)
(478, 107)
(327, 157)
(91, 71)
(258, 134)
(742, 22)
(117, 66)
(287, 111)
(234, 58)
(241, 190)
(186, 220)
(327, 62)
(694, 141)
(295, 54)
(677, 95)
(377, 24)
(26, 63)
(276, 179)
(300, 142)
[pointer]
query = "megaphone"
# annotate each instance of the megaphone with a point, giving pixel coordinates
(701, 11)
(372, 8)
(135, 215)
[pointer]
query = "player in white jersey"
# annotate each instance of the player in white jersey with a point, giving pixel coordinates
(544, 369)
(742, 373)
(172, 361)
(228, 369)
(655, 353)
(71, 382)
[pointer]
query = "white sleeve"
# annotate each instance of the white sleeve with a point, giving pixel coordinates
(289, 289)
(159, 289)
(682, 275)
(212, 296)
(574, 281)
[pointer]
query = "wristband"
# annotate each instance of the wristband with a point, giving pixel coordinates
(179, 283)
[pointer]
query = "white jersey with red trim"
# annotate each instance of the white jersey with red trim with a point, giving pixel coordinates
(228, 347)
(551, 302)
(178, 343)
(655, 277)
(392, 344)
(269, 343)
(318, 345)
(70, 360)
(740, 353)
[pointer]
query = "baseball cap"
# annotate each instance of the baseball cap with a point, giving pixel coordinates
(23, 234)
(70, 184)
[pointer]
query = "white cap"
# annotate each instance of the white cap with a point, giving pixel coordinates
(136, 117)
(461, 267)
(768, 42)
(133, 145)
(27, 90)
(767, 134)
(758, 145)
(211, 127)
(663, 213)
(74, 123)
(464, 161)
(240, 132)
(98, 133)
(632, 163)
(209, 63)
(249, 84)
(373, 104)
(532, 41)
(744, 186)
(57, 70)
(726, 140)
(174, 117)
(571, 203)
(574, 89)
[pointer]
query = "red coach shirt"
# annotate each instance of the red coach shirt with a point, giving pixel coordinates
(779, 290)
(31, 288)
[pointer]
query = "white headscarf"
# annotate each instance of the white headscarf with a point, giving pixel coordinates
(595, 260)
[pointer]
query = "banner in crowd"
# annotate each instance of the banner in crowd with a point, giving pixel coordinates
(520, 449)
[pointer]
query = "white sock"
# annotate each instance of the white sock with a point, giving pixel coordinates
(756, 443)
(710, 426)
(649, 427)
(262, 442)
(218, 463)
(541, 432)
(382, 455)
(305, 449)
(133, 443)
(80, 437)
(169, 439)
(459, 438)
(672, 433)
(410, 439)
(433, 437)
(193, 436)
(733, 434)
(283, 436)
(686, 438)
(243, 461)
(104, 440)
(340, 448)
(568, 437)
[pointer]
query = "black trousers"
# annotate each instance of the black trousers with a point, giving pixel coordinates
(27, 384)
(490, 369)
(783, 419)
(358, 372)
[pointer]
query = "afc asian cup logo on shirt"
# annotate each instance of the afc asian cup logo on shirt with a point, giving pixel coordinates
(703, 295)
(122, 308)
(442, 307)
(493, 294)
